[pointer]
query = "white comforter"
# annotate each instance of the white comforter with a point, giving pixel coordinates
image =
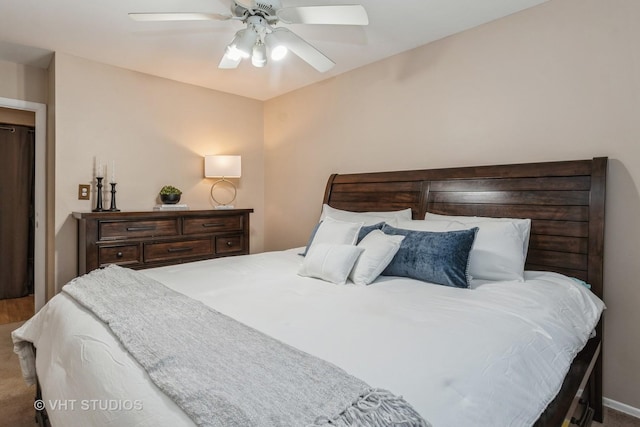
(492, 355)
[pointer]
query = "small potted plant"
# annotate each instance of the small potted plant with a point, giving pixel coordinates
(170, 195)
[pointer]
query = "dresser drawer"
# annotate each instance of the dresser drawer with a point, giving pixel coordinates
(212, 224)
(166, 251)
(150, 239)
(112, 230)
(128, 255)
(229, 244)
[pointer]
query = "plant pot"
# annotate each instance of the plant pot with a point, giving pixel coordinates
(170, 199)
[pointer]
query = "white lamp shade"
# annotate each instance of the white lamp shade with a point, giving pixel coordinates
(222, 166)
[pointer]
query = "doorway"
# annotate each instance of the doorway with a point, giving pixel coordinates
(39, 248)
(17, 146)
(17, 228)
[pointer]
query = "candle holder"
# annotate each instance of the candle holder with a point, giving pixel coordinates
(113, 198)
(99, 195)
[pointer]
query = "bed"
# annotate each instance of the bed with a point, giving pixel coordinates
(78, 357)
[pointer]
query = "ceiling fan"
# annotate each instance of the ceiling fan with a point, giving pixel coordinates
(261, 34)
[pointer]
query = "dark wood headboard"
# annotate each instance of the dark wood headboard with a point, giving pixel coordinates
(565, 201)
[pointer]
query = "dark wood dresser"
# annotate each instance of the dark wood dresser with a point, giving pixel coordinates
(152, 239)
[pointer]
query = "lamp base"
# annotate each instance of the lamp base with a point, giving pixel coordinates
(226, 205)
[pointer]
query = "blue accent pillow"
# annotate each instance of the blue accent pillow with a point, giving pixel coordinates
(364, 230)
(436, 257)
(313, 234)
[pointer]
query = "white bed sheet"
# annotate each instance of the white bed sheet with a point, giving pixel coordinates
(495, 354)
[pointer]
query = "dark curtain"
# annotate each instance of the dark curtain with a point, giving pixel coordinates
(17, 151)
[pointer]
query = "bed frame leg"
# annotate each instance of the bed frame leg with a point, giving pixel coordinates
(595, 391)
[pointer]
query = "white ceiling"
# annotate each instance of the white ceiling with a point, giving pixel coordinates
(190, 51)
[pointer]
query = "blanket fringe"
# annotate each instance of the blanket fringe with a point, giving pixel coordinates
(375, 408)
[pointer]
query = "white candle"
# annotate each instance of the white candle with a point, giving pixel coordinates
(100, 171)
(113, 171)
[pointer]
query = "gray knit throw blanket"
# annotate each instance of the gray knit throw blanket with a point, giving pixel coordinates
(224, 373)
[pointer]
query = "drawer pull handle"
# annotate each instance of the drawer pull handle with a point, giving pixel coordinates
(229, 243)
(187, 249)
(119, 254)
(213, 224)
(144, 228)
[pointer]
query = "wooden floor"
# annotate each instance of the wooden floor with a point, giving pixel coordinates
(16, 310)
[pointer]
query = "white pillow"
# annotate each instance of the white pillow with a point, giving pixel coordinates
(368, 218)
(496, 253)
(523, 225)
(379, 249)
(331, 263)
(337, 232)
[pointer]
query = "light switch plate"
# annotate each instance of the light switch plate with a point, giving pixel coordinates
(84, 192)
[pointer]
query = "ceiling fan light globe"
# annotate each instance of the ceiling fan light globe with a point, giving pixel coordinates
(279, 52)
(246, 42)
(259, 57)
(257, 62)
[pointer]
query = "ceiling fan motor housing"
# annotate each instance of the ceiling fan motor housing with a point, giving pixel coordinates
(268, 7)
(263, 8)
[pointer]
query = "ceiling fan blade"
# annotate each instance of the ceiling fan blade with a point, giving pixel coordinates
(247, 4)
(180, 16)
(304, 50)
(349, 14)
(228, 63)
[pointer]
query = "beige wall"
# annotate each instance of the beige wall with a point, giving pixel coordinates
(157, 132)
(559, 81)
(23, 82)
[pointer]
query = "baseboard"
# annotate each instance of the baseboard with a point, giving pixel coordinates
(621, 407)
